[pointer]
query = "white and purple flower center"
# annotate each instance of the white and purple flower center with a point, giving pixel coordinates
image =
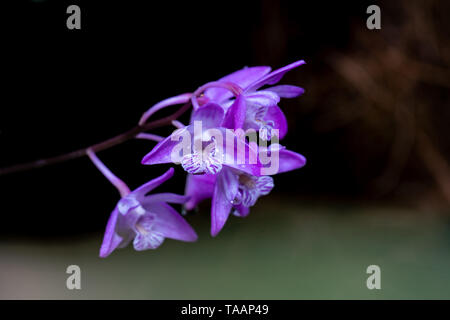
(143, 221)
(146, 236)
(251, 188)
(207, 160)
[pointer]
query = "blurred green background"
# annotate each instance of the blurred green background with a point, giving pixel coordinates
(283, 250)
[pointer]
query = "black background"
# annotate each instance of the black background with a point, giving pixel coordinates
(66, 89)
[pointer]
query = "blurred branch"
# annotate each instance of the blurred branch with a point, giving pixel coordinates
(130, 134)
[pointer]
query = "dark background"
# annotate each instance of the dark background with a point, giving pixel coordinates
(66, 89)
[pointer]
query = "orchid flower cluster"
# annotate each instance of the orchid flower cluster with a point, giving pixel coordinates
(230, 150)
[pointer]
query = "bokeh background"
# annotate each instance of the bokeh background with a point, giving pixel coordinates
(373, 124)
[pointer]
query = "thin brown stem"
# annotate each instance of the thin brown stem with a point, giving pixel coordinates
(130, 134)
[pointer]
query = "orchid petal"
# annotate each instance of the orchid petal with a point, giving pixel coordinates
(242, 156)
(170, 224)
(225, 191)
(249, 197)
(252, 169)
(199, 188)
(119, 184)
(111, 240)
(278, 118)
(242, 78)
(152, 184)
(165, 197)
(274, 76)
(264, 185)
(147, 237)
(272, 147)
(235, 115)
(227, 104)
(130, 210)
(127, 239)
(290, 160)
(287, 160)
(263, 98)
(211, 115)
(162, 152)
(151, 240)
(287, 91)
(241, 210)
(193, 163)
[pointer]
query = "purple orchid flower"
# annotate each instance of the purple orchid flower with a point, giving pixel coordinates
(144, 219)
(202, 151)
(261, 112)
(235, 191)
(233, 102)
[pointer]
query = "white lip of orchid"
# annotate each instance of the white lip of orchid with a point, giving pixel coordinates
(145, 229)
(141, 229)
(140, 221)
(251, 188)
(146, 236)
(208, 160)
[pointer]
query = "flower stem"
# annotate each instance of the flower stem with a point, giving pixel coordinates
(130, 134)
(149, 136)
(115, 181)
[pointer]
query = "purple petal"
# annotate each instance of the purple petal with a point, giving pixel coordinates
(225, 191)
(242, 211)
(287, 91)
(275, 114)
(127, 239)
(274, 76)
(290, 160)
(235, 115)
(287, 160)
(211, 115)
(162, 152)
(119, 184)
(251, 169)
(152, 184)
(165, 197)
(170, 223)
(264, 185)
(199, 188)
(242, 78)
(129, 213)
(111, 240)
(263, 98)
(242, 156)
